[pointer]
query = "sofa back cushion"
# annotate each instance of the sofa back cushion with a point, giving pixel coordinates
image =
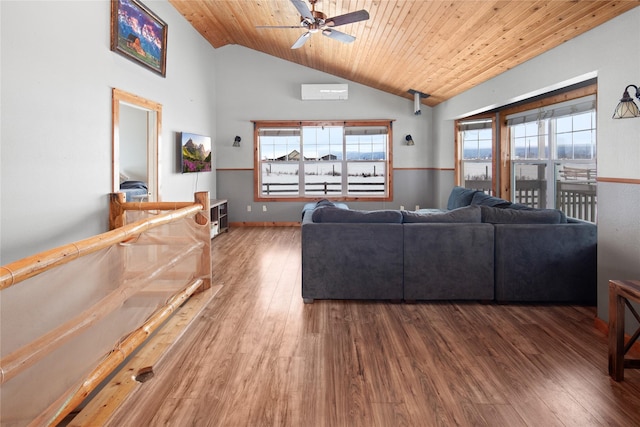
(483, 199)
(495, 215)
(333, 214)
(465, 214)
(322, 204)
(460, 197)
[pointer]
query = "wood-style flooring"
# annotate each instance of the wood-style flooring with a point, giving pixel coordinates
(258, 356)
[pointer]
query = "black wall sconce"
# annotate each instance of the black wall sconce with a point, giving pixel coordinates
(627, 108)
(409, 140)
(236, 141)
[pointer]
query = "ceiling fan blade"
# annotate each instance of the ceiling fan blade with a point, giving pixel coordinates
(347, 18)
(337, 35)
(303, 9)
(301, 41)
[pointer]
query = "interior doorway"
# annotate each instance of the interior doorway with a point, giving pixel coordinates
(137, 125)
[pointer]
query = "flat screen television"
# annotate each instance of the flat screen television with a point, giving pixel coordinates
(195, 153)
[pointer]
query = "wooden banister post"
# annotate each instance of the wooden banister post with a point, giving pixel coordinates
(116, 210)
(204, 218)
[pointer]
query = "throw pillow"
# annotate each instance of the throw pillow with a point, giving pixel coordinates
(483, 199)
(324, 202)
(460, 197)
(333, 214)
(465, 214)
(495, 215)
(321, 204)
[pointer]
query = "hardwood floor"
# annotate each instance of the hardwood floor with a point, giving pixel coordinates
(258, 356)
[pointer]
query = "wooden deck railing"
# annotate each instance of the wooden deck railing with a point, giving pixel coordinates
(574, 196)
(20, 360)
(532, 193)
(577, 199)
(484, 185)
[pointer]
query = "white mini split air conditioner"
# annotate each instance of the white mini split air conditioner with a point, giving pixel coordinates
(323, 92)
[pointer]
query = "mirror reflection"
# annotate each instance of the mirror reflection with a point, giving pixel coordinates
(136, 127)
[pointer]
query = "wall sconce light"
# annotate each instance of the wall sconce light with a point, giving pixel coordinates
(409, 140)
(627, 108)
(236, 141)
(417, 96)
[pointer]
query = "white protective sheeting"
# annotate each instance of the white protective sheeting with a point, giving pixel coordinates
(61, 323)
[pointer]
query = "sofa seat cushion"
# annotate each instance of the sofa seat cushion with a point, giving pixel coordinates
(337, 215)
(493, 215)
(466, 214)
(460, 197)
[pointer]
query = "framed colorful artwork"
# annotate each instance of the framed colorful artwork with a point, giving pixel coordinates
(195, 152)
(139, 34)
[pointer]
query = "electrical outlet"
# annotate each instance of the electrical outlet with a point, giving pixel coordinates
(417, 207)
(248, 208)
(401, 207)
(264, 208)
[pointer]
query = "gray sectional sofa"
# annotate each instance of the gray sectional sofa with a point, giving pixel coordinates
(480, 248)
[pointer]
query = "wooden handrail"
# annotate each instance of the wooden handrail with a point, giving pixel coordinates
(25, 357)
(155, 206)
(15, 272)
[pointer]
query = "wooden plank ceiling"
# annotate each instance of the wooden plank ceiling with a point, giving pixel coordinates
(437, 47)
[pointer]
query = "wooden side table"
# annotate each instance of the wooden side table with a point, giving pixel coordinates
(620, 293)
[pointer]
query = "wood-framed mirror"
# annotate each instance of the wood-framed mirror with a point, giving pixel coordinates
(136, 130)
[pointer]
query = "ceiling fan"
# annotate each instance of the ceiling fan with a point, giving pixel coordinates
(313, 21)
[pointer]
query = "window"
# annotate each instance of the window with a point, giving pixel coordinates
(542, 153)
(476, 147)
(338, 160)
(553, 156)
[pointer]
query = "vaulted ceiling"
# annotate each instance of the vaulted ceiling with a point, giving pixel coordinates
(432, 46)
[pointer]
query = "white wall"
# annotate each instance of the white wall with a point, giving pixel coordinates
(57, 72)
(610, 53)
(255, 86)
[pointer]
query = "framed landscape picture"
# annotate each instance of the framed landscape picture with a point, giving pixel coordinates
(195, 152)
(139, 34)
